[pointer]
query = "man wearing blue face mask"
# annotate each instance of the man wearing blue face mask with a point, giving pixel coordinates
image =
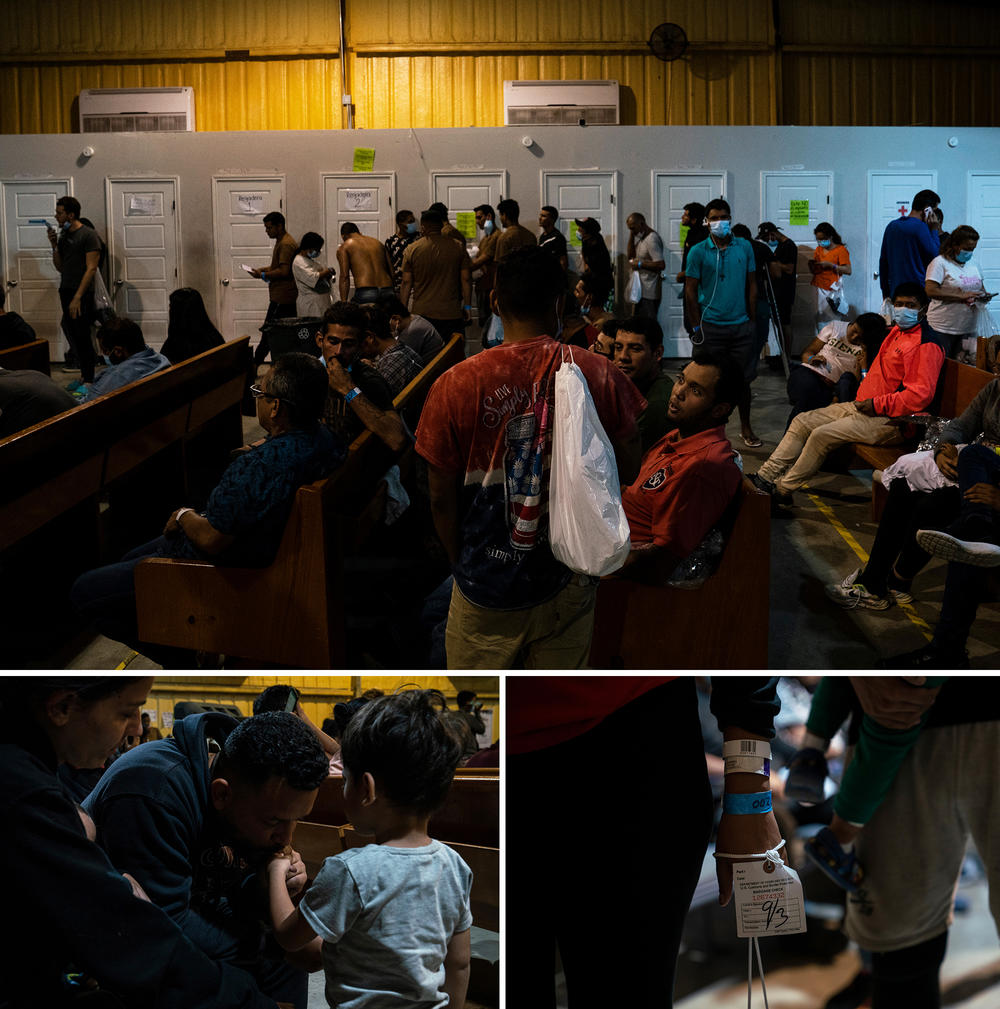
(127, 355)
(901, 380)
(406, 234)
(720, 294)
(910, 243)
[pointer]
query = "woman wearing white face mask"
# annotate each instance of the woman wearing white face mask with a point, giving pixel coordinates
(830, 262)
(954, 284)
(312, 277)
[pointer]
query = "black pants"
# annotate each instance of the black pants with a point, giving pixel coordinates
(906, 511)
(909, 977)
(275, 310)
(605, 839)
(965, 585)
(78, 332)
(807, 390)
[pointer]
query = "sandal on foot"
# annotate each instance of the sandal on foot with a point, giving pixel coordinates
(753, 442)
(841, 866)
(806, 777)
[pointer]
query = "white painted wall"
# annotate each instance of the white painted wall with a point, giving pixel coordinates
(634, 151)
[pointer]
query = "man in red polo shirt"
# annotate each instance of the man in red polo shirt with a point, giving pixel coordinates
(689, 476)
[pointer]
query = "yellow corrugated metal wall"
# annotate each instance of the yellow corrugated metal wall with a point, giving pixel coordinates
(441, 63)
(319, 693)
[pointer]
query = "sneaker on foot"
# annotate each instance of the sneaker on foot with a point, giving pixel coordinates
(928, 657)
(841, 866)
(764, 486)
(940, 544)
(77, 385)
(806, 776)
(899, 588)
(852, 595)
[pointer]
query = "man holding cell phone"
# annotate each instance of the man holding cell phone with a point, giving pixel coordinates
(76, 253)
(910, 243)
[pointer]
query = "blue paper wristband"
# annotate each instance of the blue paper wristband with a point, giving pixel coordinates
(744, 805)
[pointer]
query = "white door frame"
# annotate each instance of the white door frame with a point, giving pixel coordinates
(972, 175)
(871, 259)
(362, 178)
(654, 175)
(5, 264)
(229, 177)
(454, 173)
(109, 219)
(612, 238)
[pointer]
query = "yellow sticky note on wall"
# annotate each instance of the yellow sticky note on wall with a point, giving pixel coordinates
(465, 222)
(682, 234)
(798, 212)
(364, 159)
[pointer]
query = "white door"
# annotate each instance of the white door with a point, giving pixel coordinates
(367, 200)
(782, 196)
(983, 209)
(29, 278)
(239, 206)
(142, 251)
(889, 196)
(462, 192)
(584, 194)
(671, 191)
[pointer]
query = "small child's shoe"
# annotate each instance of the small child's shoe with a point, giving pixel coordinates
(806, 777)
(841, 866)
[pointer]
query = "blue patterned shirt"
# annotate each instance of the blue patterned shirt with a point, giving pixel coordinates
(254, 498)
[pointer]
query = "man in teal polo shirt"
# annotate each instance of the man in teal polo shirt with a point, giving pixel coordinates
(720, 294)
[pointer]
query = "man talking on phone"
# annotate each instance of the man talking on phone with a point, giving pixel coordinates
(910, 243)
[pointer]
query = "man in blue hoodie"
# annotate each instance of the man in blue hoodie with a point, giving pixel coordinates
(195, 818)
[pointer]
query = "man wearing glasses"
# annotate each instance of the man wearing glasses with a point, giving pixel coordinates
(242, 524)
(358, 396)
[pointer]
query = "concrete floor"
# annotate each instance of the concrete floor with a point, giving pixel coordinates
(807, 550)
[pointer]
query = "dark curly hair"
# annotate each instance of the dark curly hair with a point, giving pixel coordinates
(403, 744)
(272, 698)
(273, 744)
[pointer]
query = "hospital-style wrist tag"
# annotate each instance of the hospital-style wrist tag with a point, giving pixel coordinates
(768, 897)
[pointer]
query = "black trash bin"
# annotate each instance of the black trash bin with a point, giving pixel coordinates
(296, 334)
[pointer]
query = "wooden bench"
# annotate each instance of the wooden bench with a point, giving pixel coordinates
(32, 356)
(470, 813)
(639, 626)
(71, 459)
(317, 841)
(959, 385)
(290, 613)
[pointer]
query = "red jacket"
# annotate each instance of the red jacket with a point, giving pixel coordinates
(903, 377)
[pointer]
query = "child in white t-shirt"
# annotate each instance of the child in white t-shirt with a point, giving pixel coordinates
(832, 364)
(393, 915)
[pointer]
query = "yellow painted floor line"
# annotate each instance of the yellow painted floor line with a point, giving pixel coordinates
(125, 664)
(827, 512)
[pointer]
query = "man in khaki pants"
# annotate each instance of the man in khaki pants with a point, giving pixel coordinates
(901, 380)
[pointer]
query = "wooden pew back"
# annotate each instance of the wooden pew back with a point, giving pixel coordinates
(32, 356)
(639, 626)
(62, 461)
(470, 813)
(318, 841)
(290, 613)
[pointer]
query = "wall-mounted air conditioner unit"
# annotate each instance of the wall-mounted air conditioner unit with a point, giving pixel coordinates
(137, 110)
(560, 103)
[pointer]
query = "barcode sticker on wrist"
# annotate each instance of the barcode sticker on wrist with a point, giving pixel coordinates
(747, 748)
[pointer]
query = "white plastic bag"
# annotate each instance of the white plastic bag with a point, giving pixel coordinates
(836, 298)
(588, 530)
(634, 293)
(985, 326)
(493, 333)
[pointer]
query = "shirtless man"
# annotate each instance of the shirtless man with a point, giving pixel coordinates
(366, 258)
